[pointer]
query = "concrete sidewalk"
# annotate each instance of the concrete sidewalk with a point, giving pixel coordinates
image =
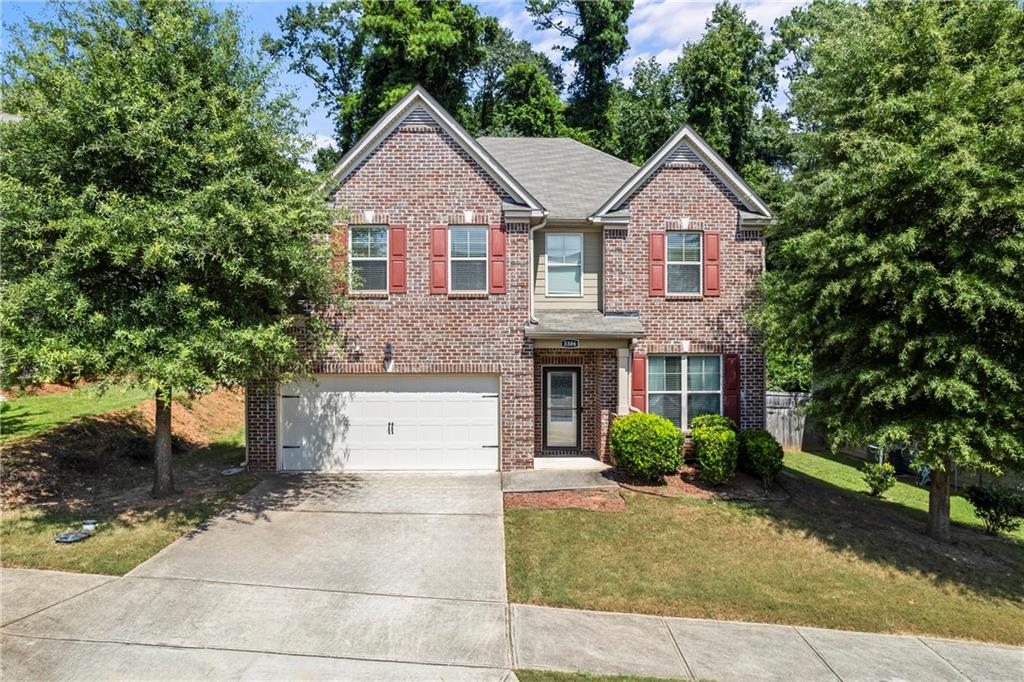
(683, 648)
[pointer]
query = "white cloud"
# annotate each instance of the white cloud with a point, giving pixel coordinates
(319, 141)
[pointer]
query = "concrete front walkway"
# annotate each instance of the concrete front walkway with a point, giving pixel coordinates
(398, 577)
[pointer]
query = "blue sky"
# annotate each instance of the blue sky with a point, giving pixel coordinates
(657, 28)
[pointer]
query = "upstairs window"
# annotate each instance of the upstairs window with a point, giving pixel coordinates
(467, 249)
(368, 255)
(564, 264)
(683, 259)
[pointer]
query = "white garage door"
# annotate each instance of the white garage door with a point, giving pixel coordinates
(390, 422)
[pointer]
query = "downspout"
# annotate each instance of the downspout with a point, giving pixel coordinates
(532, 285)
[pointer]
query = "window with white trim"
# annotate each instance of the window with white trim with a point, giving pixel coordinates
(467, 259)
(679, 401)
(368, 257)
(683, 259)
(564, 262)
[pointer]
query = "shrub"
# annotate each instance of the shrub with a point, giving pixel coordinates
(1001, 509)
(879, 477)
(716, 448)
(646, 445)
(717, 421)
(760, 454)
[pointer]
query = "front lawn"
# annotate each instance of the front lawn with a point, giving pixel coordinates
(131, 532)
(25, 415)
(845, 472)
(825, 558)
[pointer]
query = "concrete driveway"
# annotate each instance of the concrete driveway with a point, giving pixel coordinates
(347, 576)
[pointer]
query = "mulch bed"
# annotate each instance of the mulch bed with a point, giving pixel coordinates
(591, 500)
(687, 483)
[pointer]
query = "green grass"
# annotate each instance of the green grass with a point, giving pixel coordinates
(553, 676)
(844, 472)
(825, 558)
(124, 539)
(32, 414)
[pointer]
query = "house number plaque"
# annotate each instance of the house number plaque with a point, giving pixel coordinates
(570, 343)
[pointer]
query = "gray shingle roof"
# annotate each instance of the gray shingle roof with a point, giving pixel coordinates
(584, 324)
(570, 179)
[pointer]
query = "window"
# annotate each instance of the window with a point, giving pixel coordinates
(564, 260)
(670, 398)
(468, 259)
(368, 254)
(684, 262)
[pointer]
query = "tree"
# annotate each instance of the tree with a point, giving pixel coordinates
(899, 261)
(157, 226)
(723, 79)
(598, 30)
(527, 104)
(324, 44)
(502, 52)
(364, 57)
(646, 113)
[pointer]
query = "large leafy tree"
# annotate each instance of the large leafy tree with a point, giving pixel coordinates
(502, 53)
(899, 267)
(597, 30)
(724, 80)
(158, 228)
(527, 104)
(646, 113)
(362, 57)
(323, 43)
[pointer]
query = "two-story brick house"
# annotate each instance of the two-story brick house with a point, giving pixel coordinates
(514, 295)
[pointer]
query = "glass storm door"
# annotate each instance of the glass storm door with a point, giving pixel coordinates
(561, 408)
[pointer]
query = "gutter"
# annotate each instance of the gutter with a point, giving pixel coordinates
(531, 285)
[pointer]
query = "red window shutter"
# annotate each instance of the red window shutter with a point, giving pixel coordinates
(639, 381)
(497, 264)
(339, 257)
(397, 259)
(657, 263)
(731, 392)
(712, 266)
(438, 259)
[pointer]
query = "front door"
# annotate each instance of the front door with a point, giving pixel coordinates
(562, 407)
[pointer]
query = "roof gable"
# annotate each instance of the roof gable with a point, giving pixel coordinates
(686, 146)
(419, 108)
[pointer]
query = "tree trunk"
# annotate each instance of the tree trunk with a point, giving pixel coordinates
(163, 476)
(938, 503)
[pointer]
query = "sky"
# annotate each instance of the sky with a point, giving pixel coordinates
(657, 28)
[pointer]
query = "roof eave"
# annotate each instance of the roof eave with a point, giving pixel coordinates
(722, 169)
(393, 117)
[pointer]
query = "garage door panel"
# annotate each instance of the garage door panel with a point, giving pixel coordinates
(390, 422)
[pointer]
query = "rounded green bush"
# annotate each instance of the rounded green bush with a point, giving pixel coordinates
(716, 448)
(760, 454)
(646, 445)
(717, 421)
(879, 477)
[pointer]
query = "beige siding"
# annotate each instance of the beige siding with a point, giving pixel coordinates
(592, 269)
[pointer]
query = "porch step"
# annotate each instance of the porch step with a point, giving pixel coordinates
(544, 480)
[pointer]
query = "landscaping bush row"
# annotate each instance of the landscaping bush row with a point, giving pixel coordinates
(650, 446)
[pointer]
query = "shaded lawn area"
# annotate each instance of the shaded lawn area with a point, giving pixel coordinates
(22, 416)
(553, 676)
(825, 558)
(128, 534)
(845, 472)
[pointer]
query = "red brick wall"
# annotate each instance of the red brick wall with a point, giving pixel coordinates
(712, 324)
(598, 379)
(419, 176)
